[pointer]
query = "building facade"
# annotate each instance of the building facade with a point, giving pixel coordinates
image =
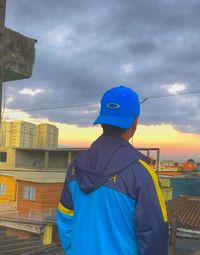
(21, 134)
(47, 136)
(31, 181)
(34, 177)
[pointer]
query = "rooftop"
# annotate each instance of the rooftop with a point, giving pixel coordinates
(10, 245)
(186, 209)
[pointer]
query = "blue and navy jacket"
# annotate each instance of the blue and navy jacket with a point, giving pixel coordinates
(111, 203)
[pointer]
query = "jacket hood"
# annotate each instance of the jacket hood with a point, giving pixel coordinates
(107, 156)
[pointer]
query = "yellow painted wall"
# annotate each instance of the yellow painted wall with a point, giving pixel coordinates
(166, 188)
(47, 236)
(10, 183)
(165, 182)
(10, 164)
(167, 193)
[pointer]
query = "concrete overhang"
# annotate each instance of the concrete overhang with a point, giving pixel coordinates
(19, 55)
(40, 177)
(51, 149)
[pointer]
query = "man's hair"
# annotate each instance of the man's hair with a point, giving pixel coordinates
(113, 130)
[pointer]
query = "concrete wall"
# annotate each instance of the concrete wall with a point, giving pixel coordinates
(186, 186)
(165, 184)
(57, 160)
(10, 164)
(19, 56)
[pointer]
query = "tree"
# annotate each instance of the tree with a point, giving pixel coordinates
(191, 161)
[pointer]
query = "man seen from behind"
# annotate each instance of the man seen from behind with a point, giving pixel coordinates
(111, 203)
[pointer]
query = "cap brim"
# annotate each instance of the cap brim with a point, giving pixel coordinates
(115, 121)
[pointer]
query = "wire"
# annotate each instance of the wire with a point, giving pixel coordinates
(85, 105)
(2, 113)
(163, 96)
(4, 101)
(51, 108)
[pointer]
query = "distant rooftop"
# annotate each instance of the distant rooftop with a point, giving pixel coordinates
(52, 149)
(181, 174)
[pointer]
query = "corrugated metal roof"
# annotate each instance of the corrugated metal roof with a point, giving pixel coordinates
(11, 245)
(187, 211)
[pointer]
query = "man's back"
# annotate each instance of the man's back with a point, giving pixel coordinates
(97, 228)
(111, 204)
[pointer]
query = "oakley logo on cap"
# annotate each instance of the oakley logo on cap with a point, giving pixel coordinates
(113, 106)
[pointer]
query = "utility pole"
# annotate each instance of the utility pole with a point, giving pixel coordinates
(2, 29)
(172, 240)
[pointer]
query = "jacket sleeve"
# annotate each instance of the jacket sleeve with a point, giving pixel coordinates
(64, 216)
(151, 215)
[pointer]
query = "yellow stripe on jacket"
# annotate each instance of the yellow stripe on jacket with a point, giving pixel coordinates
(157, 187)
(65, 210)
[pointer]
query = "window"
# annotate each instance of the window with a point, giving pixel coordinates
(3, 156)
(2, 188)
(29, 193)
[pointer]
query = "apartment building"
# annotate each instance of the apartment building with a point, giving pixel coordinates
(18, 134)
(47, 136)
(21, 134)
(32, 173)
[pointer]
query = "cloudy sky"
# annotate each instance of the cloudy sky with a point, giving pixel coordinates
(86, 47)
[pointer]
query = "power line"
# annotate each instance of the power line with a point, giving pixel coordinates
(52, 108)
(92, 104)
(163, 96)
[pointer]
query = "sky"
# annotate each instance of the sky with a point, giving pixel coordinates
(86, 47)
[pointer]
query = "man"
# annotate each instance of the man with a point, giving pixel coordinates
(111, 202)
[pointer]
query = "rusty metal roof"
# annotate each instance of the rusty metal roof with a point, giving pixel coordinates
(186, 209)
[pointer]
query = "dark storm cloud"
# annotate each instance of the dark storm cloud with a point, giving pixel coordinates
(85, 47)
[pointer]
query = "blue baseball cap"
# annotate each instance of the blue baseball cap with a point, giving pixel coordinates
(119, 107)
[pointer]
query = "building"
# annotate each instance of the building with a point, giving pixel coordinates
(174, 184)
(168, 165)
(34, 176)
(188, 167)
(7, 187)
(166, 188)
(21, 134)
(18, 134)
(47, 136)
(31, 181)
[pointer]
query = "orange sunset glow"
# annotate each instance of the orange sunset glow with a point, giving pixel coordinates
(173, 144)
